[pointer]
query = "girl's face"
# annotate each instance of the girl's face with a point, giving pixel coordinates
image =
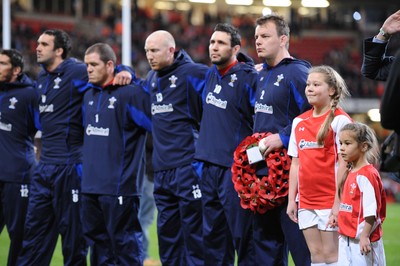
(318, 92)
(350, 149)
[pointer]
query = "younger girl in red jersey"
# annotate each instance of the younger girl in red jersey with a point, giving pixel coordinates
(314, 146)
(362, 199)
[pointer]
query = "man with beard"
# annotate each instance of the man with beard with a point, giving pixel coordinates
(228, 109)
(18, 123)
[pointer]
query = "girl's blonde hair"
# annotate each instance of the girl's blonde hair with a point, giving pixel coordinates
(363, 134)
(335, 81)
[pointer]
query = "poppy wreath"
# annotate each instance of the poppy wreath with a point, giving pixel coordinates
(256, 193)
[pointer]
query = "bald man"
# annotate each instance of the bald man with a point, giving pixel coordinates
(174, 83)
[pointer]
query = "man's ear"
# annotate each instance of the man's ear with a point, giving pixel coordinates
(110, 66)
(284, 39)
(59, 51)
(15, 72)
(236, 49)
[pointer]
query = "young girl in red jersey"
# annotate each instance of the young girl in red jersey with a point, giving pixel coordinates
(363, 202)
(314, 146)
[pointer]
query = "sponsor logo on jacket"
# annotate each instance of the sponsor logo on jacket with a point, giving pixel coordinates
(161, 108)
(211, 99)
(97, 131)
(345, 207)
(304, 144)
(263, 108)
(5, 127)
(46, 108)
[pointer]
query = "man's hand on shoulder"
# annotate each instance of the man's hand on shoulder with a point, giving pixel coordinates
(123, 78)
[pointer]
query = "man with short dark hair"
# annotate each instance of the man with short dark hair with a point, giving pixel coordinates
(228, 109)
(18, 123)
(279, 99)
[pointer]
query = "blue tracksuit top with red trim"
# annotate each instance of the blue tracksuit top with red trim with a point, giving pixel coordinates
(281, 97)
(60, 112)
(18, 122)
(228, 109)
(176, 111)
(115, 120)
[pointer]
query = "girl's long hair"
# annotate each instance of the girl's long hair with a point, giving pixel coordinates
(363, 134)
(335, 81)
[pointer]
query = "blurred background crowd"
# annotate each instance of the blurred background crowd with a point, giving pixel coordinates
(331, 35)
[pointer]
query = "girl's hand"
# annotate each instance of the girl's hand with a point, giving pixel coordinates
(365, 245)
(292, 211)
(332, 222)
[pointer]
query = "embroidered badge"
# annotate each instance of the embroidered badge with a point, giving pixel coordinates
(112, 102)
(233, 79)
(57, 83)
(352, 188)
(13, 101)
(173, 80)
(278, 79)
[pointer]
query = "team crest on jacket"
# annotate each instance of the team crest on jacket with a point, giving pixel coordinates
(112, 102)
(352, 188)
(57, 83)
(233, 79)
(173, 80)
(278, 79)
(13, 101)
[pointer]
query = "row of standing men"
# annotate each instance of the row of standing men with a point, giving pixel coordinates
(200, 221)
(60, 187)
